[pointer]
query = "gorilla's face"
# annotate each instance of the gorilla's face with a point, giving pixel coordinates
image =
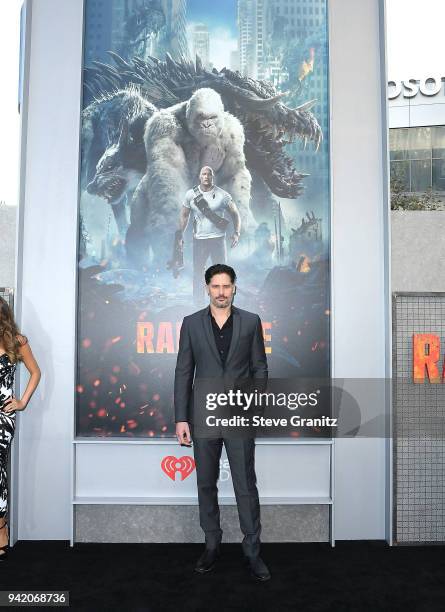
(206, 126)
(205, 115)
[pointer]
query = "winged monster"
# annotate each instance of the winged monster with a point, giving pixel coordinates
(191, 117)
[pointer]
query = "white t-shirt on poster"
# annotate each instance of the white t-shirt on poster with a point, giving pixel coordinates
(218, 201)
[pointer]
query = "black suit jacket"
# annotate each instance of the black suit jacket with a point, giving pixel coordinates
(198, 356)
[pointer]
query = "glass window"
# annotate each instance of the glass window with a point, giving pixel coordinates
(420, 175)
(439, 174)
(400, 172)
(398, 143)
(419, 142)
(438, 138)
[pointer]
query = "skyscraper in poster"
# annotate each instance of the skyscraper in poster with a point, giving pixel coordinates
(295, 27)
(250, 37)
(173, 37)
(201, 43)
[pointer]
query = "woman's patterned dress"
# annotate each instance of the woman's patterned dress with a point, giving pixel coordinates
(7, 427)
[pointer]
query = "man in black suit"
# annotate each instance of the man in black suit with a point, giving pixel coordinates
(223, 343)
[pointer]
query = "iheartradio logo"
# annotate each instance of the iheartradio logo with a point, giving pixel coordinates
(184, 465)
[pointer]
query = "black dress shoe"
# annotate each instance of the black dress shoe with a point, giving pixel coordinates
(258, 569)
(207, 560)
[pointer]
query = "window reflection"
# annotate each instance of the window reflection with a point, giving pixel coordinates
(438, 175)
(439, 142)
(417, 157)
(419, 142)
(400, 172)
(398, 144)
(420, 175)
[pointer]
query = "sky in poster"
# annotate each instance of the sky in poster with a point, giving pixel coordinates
(220, 18)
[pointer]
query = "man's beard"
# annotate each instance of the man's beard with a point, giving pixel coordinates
(222, 304)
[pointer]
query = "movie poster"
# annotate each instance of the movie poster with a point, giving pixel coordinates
(169, 87)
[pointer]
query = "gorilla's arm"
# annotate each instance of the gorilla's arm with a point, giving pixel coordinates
(157, 199)
(233, 176)
(167, 177)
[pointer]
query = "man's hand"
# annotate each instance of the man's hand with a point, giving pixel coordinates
(235, 240)
(183, 433)
(176, 263)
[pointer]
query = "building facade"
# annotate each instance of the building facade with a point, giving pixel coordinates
(417, 134)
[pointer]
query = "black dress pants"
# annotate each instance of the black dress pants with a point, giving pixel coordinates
(241, 455)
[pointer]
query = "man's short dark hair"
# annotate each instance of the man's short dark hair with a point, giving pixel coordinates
(219, 269)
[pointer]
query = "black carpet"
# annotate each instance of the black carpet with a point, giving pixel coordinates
(353, 576)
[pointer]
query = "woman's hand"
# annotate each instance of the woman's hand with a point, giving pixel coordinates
(13, 405)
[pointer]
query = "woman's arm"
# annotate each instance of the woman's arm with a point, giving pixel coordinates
(34, 370)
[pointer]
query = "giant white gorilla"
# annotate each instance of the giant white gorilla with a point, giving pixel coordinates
(179, 141)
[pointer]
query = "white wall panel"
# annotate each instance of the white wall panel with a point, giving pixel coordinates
(360, 248)
(47, 250)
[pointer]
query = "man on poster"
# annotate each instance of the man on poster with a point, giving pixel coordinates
(208, 204)
(221, 342)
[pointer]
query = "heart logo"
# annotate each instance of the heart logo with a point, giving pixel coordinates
(184, 465)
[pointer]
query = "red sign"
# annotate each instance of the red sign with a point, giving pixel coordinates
(184, 465)
(426, 356)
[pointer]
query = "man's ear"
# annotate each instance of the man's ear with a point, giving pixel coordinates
(234, 291)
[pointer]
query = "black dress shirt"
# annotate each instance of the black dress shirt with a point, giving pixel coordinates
(223, 336)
